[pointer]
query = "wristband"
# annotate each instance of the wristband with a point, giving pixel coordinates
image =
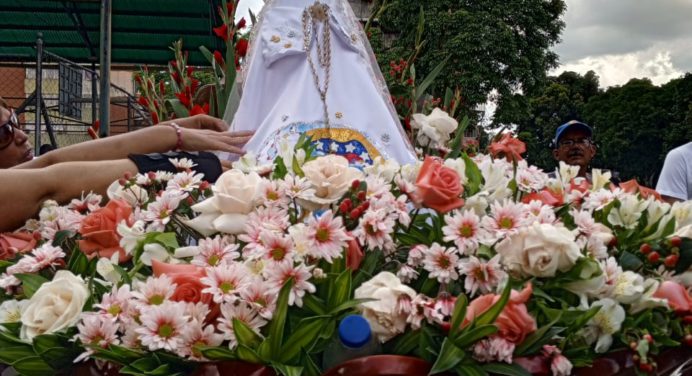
(179, 135)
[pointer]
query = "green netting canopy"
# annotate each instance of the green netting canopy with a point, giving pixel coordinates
(142, 30)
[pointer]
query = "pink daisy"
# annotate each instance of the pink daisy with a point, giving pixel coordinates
(155, 291)
(416, 255)
(240, 311)
(47, 255)
(162, 326)
(326, 236)
(444, 304)
(260, 295)
(407, 274)
(297, 187)
(442, 263)
(96, 331)
(493, 349)
(90, 202)
(226, 281)
(216, 251)
(537, 212)
(277, 248)
(417, 311)
(117, 302)
(159, 212)
(463, 228)
(197, 311)
(480, 275)
(273, 194)
(184, 182)
(504, 219)
(375, 230)
(196, 335)
(278, 274)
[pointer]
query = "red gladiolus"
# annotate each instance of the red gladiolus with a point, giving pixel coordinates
(194, 85)
(229, 9)
(176, 77)
(222, 32)
(197, 109)
(138, 79)
(241, 47)
(241, 24)
(154, 118)
(143, 101)
(218, 58)
(162, 87)
(190, 70)
(510, 147)
(184, 99)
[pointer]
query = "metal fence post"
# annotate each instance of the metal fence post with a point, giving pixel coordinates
(38, 97)
(105, 62)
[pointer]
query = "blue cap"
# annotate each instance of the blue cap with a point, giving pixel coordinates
(354, 331)
(572, 124)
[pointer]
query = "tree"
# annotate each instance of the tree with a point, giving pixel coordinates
(491, 45)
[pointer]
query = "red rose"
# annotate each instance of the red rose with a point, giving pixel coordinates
(439, 187)
(508, 146)
(13, 243)
(98, 230)
(187, 279)
(514, 322)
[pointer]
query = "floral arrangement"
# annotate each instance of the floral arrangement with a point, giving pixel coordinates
(477, 265)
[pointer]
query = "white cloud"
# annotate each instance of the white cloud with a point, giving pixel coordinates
(244, 5)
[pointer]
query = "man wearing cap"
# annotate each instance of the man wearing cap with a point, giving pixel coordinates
(573, 145)
(675, 182)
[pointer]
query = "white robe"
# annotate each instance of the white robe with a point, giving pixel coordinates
(280, 99)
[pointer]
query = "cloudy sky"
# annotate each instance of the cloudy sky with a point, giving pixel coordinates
(618, 39)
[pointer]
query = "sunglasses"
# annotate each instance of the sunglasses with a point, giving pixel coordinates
(7, 130)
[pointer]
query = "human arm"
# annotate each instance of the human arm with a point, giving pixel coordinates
(672, 184)
(198, 133)
(23, 191)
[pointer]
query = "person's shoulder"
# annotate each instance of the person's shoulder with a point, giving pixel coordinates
(682, 153)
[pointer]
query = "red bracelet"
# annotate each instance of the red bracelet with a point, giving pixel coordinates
(179, 134)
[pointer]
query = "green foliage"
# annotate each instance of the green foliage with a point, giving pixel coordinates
(490, 44)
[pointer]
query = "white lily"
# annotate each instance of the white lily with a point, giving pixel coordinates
(605, 323)
(629, 212)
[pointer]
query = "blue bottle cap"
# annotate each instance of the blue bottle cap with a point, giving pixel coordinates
(354, 331)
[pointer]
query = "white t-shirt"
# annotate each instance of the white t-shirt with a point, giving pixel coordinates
(676, 177)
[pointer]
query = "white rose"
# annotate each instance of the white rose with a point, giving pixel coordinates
(331, 177)
(56, 305)
(539, 250)
(235, 196)
(435, 127)
(381, 313)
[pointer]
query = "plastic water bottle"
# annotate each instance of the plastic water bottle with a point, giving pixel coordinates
(354, 340)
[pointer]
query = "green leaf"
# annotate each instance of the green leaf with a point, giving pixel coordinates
(9, 355)
(407, 342)
(180, 110)
(473, 334)
(685, 260)
(489, 316)
(315, 304)
(629, 261)
(349, 304)
(78, 263)
(304, 337)
(56, 351)
(470, 370)
(309, 366)
(430, 78)
(245, 335)
(506, 369)
(287, 370)
(458, 314)
(60, 237)
(168, 240)
(450, 356)
(276, 327)
(473, 175)
(296, 167)
(31, 366)
(537, 338)
(340, 290)
(280, 169)
(30, 283)
(218, 353)
(458, 141)
(247, 354)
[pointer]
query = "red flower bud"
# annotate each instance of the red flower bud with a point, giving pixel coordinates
(645, 248)
(190, 70)
(361, 195)
(127, 175)
(204, 185)
(218, 58)
(355, 184)
(151, 175)
(222, 32)
(654, 257)
(355, 213)
(122, 181)
(675, 241)
(241, 47)
(241, 24)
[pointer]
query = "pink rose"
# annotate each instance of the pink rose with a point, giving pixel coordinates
(187, 279)
(439, 187)
(510, 147)
(16, 242)
(676, 294)
(98, 230)
(514, 323)
(354, 255)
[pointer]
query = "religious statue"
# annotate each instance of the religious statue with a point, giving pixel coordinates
(310, 70)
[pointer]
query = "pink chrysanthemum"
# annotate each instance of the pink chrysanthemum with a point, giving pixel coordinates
(261, 220)
(278, 274)
(184, 182)
(505, 219)
(326, 236)
(117, 302)
(444, 304)
(463, 228)
(297, 187)
(162, 326)
(537, 212)
(599, 199)
(375, 230)
(197, 311)
(240, 311)
(48, 255)
(480, 275)
(442, 263)
(196, 335)
(97, 331)
(407, 274)
(416, 255)
(260, 295)
(90, 202)
(277, 248)
(216, 251)
(226, 281)
(159, 212)
(155, 291)
(493, 349)
(274, 195)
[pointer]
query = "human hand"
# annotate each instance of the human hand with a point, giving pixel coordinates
(202, 121)
(210, 140)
